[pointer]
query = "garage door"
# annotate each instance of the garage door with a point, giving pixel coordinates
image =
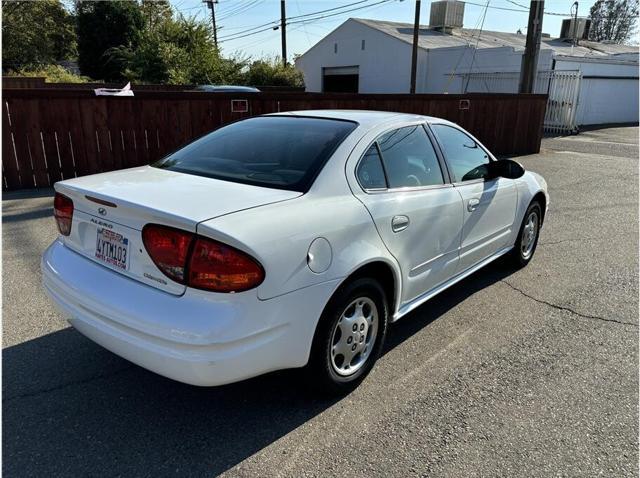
(342, 79)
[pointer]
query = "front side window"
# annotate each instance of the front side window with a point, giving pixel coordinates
(282, 152)
(466, 158)
(409, 158)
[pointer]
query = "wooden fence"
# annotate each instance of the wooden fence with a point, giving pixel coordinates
(49, 134)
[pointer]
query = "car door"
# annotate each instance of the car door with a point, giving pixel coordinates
(417, 211)
(489, 205)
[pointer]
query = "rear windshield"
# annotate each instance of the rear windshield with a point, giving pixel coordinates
(282, 152)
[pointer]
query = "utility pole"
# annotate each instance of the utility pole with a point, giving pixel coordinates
(575, 26)
(283, 31)
(210, 4)
(414, 52)
(532, 48)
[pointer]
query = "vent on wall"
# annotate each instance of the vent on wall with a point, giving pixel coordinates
(446, 14)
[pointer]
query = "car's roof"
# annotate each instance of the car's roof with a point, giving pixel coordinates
(363, 117)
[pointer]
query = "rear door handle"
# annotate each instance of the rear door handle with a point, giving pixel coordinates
(399, 223)
(472, 204)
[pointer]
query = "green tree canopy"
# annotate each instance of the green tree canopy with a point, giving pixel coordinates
(613, 20)
(36, 33)
(102, 26)
(177, 51)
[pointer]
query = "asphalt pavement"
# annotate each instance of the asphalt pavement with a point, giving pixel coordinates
(527, 373)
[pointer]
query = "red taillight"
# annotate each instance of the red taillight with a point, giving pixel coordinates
(63, 212)
(168, 248)
(207, 264)
(221, 268)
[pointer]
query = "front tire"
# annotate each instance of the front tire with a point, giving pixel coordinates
(349, 337)
(527, 241)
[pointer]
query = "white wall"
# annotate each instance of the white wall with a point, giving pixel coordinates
(439, 64)
(384, 64)
(605, 100)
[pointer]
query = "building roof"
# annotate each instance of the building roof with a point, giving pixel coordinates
(429, 38)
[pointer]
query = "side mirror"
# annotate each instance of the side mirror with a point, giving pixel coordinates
(505, 168)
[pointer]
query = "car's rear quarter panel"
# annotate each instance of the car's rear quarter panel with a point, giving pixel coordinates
(279, 236)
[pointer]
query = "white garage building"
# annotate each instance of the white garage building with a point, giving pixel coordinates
(372, 56)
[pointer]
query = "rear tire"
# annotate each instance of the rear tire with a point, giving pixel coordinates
(525, 246)
(349, 337)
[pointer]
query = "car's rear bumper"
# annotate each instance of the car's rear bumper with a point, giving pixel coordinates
(199, 338)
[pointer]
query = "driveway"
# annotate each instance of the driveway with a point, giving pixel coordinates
(528, 373)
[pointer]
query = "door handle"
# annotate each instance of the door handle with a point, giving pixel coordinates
(472, 204)
(399, 223)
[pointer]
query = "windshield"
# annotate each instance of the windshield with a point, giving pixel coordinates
(284, 152)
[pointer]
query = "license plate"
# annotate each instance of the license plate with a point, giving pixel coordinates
(112, 248)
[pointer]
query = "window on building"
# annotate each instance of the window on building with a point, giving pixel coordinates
(335, 48)
(362, 45)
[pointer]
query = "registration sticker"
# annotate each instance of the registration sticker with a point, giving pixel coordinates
(112, 248)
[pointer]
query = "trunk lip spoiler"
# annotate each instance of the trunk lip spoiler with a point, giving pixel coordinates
(100, 201)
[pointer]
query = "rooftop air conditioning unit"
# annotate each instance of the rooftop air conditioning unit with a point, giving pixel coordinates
(575, 29)
(446, 14)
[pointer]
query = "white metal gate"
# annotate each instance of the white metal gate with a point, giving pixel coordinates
(562, 86)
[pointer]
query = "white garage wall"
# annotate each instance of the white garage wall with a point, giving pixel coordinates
(384, 64)
(607, 99)
(438, 64)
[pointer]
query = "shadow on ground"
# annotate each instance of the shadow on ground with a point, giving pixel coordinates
(72, 408)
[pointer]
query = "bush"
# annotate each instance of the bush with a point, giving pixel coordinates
(271, 72)
(51, 73)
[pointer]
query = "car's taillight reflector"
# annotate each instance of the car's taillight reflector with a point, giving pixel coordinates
(63, 212)
(168, 248)
(200, 262)
(217, 267)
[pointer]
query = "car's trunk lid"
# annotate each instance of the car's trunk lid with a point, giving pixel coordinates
(110, 210)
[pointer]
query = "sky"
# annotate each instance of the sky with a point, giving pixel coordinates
(235, 16)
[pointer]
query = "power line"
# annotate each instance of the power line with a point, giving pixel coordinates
(484, 15)
(275, 23)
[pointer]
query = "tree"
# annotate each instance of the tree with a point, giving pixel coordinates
(177, 51)
(155, 12)
(102, 26)
(613, 20)
(36, 33)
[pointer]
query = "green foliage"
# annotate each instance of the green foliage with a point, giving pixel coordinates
(36, 33)
(136, 40)
(102, 26)
(613, 20)
(177, 51)
(155, 12)
(51, 74)
(271, 72)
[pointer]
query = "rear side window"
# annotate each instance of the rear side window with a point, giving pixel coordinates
(284, 152)
(409, 158)
(370, 172)
(466, 158)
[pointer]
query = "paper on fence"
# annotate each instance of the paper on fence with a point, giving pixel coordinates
(126, 91)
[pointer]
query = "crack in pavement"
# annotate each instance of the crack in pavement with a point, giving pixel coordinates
(545, 243)
(567, 309)
(68, 384)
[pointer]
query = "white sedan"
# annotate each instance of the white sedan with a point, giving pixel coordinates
(285, 240)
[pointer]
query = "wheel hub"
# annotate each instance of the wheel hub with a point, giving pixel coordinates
(354, 336)
(529, 234)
